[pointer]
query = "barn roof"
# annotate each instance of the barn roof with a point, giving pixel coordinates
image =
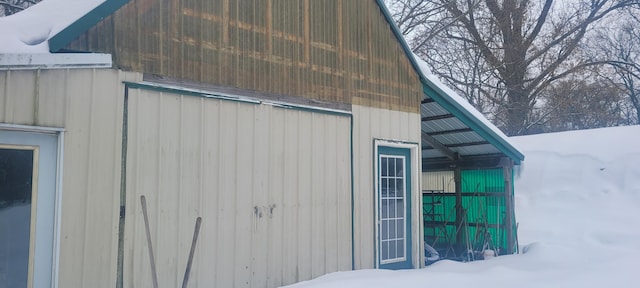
(452, 129)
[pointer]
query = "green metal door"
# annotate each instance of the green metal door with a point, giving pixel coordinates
(394, 208)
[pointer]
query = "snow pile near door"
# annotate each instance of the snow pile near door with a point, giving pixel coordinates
(578, 208)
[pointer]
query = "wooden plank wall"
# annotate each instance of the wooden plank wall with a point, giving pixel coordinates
(330, 50)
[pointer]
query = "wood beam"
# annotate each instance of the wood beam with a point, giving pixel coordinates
(450, 131)
(466, 144)
(488, 161)
(427, 100)
(431, 118)
(507, 170)
(460, 212)
(439, 146)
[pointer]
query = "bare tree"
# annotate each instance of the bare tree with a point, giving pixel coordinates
(520, 46)
(620, 44)
(575, 103)
(8, 7)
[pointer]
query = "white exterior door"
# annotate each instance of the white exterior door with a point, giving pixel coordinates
(28, 163)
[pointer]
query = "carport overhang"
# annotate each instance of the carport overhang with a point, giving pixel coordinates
(453, 137)
(453, 132)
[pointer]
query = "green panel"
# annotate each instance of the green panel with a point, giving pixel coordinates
(439, 208)
(485, 207)
(484, 201)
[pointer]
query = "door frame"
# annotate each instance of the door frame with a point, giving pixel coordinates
(414, 196)
(57, 206)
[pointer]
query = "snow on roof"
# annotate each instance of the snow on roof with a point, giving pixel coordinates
(459, 99)
(28, 31)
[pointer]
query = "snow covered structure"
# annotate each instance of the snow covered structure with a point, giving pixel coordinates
(467, 176)
(293, 128)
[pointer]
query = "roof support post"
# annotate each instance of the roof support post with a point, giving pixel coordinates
(457, 175)
(439, 146)
(507, 170)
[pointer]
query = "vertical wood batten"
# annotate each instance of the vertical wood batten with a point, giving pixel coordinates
(284, 47)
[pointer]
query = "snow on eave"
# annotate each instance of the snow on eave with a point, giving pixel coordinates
(497, 138)
(457, 101)
(54, 61)
(28, 31)
(50, 25)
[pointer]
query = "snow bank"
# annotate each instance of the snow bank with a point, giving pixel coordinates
(28, 31)
(577, 203)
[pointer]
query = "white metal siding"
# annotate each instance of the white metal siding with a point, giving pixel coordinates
(369, 124)
(217, 159)
(87, 103)
(271, 184)
(438, 181)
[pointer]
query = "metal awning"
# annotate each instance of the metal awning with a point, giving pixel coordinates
(452, 134)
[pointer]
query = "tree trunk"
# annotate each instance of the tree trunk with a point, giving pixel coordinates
(517, 112)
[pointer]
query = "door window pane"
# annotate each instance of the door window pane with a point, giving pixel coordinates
(16, 176)
(392, 208)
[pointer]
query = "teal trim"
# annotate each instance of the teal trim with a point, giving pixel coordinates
(514, 222)
(182, 91)
(123, 189)
(474, 123)
(84, 23)
(189, 92)
(312, 109)
(408, 229)
(353, 211)
(445, 100)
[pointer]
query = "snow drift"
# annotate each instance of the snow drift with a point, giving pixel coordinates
(577, 203)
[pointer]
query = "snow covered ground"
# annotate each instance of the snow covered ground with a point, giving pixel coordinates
(578, 208)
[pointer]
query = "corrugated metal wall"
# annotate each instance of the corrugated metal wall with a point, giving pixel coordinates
(331, 50)
(483, 198)
(369, 124)
(486, 208)
(272, 185)
(87, 103)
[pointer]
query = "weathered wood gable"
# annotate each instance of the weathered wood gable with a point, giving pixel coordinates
(341, 51)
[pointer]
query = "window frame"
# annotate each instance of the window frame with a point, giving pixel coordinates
(405, 213)
(412, 242)
(50, 142)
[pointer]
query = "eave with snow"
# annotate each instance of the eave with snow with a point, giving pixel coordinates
(36, 37)
(454, 133)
